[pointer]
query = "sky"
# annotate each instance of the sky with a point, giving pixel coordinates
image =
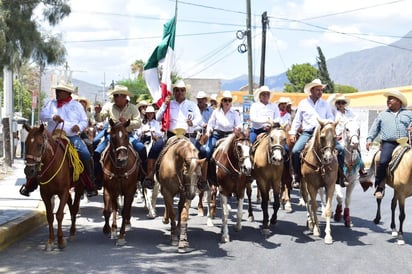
(104, 37)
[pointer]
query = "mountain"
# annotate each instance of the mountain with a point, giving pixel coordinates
(369, 69)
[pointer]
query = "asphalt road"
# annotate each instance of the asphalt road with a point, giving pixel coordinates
(291, 248)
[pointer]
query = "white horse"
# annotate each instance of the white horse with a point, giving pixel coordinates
(150, 195)
(353, 162)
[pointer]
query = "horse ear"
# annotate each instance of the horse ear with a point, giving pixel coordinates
(27, 127)
(127, 123)
(111, 122)
(41, 127)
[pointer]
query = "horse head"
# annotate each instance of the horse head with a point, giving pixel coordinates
(326, 141)
(351, 133)
(119, 142)
(277, 141)
(192, 169)
(242, 147)
(36, 144)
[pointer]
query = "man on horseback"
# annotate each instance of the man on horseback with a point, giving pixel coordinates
(74, 120)
(309, 111)
(120, 110)
(391, 124)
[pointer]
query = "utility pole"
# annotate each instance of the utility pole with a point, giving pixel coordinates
(249, 47)
(265, 22)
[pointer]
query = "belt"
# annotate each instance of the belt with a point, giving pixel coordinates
(220, 132)
(191, 135)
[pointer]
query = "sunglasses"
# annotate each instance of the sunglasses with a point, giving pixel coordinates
(341, 103)
(117, 95)
(227, 100)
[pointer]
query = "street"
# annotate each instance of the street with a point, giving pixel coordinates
(291, 248)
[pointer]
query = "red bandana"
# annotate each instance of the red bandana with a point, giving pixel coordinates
(60, 103)
(283, 112)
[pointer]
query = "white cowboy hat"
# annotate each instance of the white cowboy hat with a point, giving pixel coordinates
(226, 94)
(398, 95)
(314, 83)
(85, 100)
(201, 94)
(257, 92)
(65, 87)
(118, 89)
(341, 97)
(142, 103)
(150, 109)
(284, 100)
(180, 84)
(213, 97)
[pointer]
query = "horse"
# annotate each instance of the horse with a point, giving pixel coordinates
(178, 170)
(231, 165)
(353, 162)
(268, 163)
(320, 169)
(48, 162)
(121, 165)
(400, 179)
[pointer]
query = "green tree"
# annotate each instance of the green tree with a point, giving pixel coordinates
(138, 87)
(299, 76)
(20, 34)
(345, 89)
(323, 72)
(137, 67)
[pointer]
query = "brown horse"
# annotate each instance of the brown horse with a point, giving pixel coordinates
(320, 169)
(49, 163)
(268, 163)
(178, 171)
(120, 175)
(401, 182)
(232, 164)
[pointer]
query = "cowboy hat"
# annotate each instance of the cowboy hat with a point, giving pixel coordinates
(213, 97)
(150, 109)
(180, 84)
(142, 103)
(85, 100)
(201, 94)
(284, 100)
(314, 83)
(257, 92)
(226, 94)
(118, 89)
(341, 97)
(398, 95)
(68, 87)
(179, 131)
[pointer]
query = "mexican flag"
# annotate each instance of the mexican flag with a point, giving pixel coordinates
(163, 54)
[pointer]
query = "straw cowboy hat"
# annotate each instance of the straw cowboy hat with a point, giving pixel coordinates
(150, 109)
(85, 100)
(118, 89)
(398, 95)
(226, 94)
(142, 103)
(201, 94)
(180, 84)
(314, 83)
(213, 97)
(341, 97)
(65, 87)
(284, 100)
(257, 92)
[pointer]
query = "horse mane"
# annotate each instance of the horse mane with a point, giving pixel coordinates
(227, 141)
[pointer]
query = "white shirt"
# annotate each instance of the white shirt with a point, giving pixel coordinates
(226, 122)
(180, 113)
(308, 113)
(72, 114)
(343, 118)
(261, 114)
(151, 126)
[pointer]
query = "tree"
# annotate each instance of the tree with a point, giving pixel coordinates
(137, 67)
(20, 34)
(299, 76)
(323, 72)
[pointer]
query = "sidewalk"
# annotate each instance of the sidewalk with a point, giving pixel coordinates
(19, 215)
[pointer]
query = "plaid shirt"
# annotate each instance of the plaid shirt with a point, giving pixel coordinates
(390, 125)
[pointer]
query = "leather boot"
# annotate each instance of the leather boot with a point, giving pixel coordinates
(29, 186)
(98, 171)
(341, 178)
(88, 178)
(148, 182)
(202, 184)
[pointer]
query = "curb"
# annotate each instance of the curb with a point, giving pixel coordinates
(21, 227)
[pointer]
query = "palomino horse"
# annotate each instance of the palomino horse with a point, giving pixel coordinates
(232, 164)
(401, 182)
(320, 169)
(178, 171)
(268, 162)
(353, 162)
(120, 175)
(48, 162)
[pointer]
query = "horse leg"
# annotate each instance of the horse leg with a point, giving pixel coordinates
(211, 205)
(321, 192)
(238, 226)
(329, 195)
(61, 242)
(50, 220)
(225, 216)
(115, 207)
(184, 216)
(200, 211)
(378, 212)
(339, 199)
(249, 198)
(346, 212)
(126, 215)
(264, 207)
(276, 206)
(148, 193)
(393, 208)
(74, 209)
(402, 216)
(107, 211)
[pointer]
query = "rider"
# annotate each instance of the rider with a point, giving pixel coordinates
(70, 113)
(391, 124)
(285, 116)
(309, 111)
(120, 110)
(206, 112)
(151, 129)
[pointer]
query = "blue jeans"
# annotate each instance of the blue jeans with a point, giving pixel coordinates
(156, 148)
(81, 147)
(386, 156)
(254, 133)
(211, 143)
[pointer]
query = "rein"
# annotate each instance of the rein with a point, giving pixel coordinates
(125, 174)
(235, 172)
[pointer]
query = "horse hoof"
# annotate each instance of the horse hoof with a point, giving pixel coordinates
(376, 221)
(62, 245)
(251, 219)
(401, 242)
(288, 207)
(328, 240)
(113, 236)
(394, 233)
(49, 247)
(301, 202)
(151, 215)
(266, 232)
(210, 222)
(225, 239)
(165, 221)
(120, 242)
(200, 212)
